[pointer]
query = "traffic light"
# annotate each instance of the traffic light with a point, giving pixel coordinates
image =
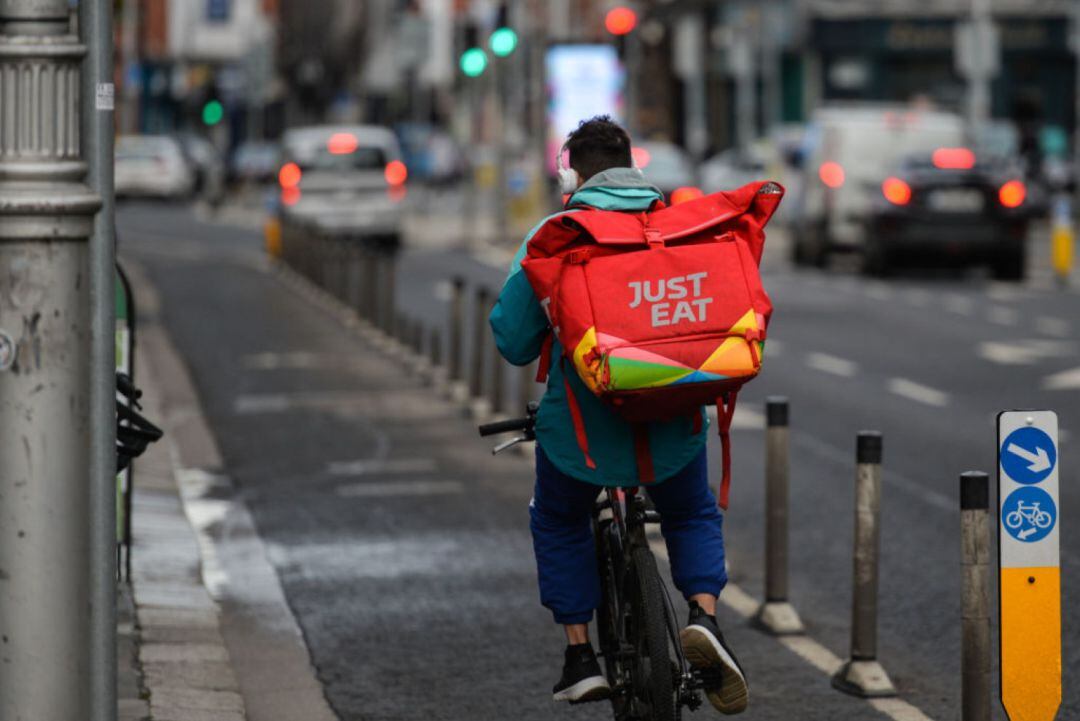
(212, 112)
(620, 20)
(504, 39)
(474, 60)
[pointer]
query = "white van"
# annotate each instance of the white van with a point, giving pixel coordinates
(847, 153)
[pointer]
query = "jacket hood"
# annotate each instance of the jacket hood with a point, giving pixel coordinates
(616, 189)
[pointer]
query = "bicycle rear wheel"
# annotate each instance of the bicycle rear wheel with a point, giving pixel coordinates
(653, 672)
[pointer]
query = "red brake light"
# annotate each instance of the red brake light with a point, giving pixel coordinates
(1012, 194)
(832, 174)
(289, 175)
(896, 191)
(681, 195)
(341, 144)
(953, 159)
(641, 157)
(396, 172)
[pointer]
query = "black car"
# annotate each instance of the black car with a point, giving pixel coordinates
(950, 208)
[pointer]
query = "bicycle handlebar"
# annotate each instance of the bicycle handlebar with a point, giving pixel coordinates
(514, 424)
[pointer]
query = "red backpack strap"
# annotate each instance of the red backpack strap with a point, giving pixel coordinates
(544, 364)
(642, 454)
(725, 411)
(578, 420)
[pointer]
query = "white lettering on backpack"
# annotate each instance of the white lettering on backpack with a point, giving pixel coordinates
(672, 289)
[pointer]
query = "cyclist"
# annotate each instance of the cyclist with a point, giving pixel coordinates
(566, 489)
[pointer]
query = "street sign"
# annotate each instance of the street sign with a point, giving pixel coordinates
(1029, 559)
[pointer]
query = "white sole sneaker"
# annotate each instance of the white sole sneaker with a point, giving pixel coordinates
(702, 650)
(594, 688)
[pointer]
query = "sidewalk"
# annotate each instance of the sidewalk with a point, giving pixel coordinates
(190, 647)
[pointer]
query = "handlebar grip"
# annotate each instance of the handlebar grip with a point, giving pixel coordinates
(515, 424)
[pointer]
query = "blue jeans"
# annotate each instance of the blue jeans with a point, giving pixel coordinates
(560, 519)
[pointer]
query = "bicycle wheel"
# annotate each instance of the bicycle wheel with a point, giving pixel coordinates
(653, 674)
(607, 620)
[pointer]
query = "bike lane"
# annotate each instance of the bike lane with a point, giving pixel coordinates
(401, 544)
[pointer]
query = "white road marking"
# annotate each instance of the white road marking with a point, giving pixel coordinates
(1052, 326)
(878, 291)
(1003, 316)
(280, 402)
(369, 466)
(918, 392)
(805, 647)
(1024, 351)
(959, 304)
(295, 360)
(918, 297)
(387, 489)
(1064, 381)
(832, 364)
(745, 418)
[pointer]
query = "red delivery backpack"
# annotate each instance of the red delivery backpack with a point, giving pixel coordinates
(658, 312)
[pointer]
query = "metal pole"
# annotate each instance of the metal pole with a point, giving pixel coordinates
(457, 331)
(975, 616)
(862, 675)
(435, 348)
(129, 27)
(777, 615)
(46, 218)
(480, 311)
(388, 272)
(97, 127)
(502, 231)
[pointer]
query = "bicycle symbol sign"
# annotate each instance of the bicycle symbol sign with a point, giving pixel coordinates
(1028, 455)
(1029, 514)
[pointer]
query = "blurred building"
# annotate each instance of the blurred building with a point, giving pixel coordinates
(177, 55)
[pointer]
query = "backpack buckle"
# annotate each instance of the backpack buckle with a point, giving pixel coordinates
(654, 238)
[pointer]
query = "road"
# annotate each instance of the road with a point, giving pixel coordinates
(402, 546)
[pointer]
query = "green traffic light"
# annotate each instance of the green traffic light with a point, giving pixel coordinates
(503, 41)
(473, 62)
(212, 112)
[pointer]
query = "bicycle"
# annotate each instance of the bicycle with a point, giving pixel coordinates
(1032, 514)
(649, 676)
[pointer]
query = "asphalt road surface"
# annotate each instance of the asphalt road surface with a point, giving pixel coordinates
(403, 547)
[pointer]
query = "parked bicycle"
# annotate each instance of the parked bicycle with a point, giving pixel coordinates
(638, 635)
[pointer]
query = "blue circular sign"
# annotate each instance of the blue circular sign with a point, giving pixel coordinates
(1029, 514)
(1028, 455)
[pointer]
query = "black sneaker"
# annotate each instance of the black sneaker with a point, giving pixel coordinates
(705, 649)
(582, 680)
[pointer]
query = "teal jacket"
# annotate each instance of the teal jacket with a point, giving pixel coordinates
(520, 328)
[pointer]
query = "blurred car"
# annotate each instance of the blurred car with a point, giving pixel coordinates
(847, 153)
(949, 207)
(668, 167)
(152, 166)
(430, 153)
(207, 164)
(348, 176)
(255, 162)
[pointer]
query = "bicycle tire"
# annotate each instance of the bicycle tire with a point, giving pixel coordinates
(654, 680)
(607, 618)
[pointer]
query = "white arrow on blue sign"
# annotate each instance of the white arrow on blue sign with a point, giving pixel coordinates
(1028, 455)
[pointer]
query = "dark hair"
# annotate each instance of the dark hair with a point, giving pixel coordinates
(598, 144)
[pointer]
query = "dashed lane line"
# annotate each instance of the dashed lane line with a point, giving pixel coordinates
(369, 466)
(959, 304)
(918, 392)
(1001, 315)
(805, 647)
(832, 364)
(1052, 326)
(389, 489)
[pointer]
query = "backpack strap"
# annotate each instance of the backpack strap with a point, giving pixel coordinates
(544, 364)
(577, 419)
(725, 411)
(642, 454)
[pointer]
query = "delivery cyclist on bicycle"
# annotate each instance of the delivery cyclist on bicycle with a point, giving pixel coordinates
(566, 487)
